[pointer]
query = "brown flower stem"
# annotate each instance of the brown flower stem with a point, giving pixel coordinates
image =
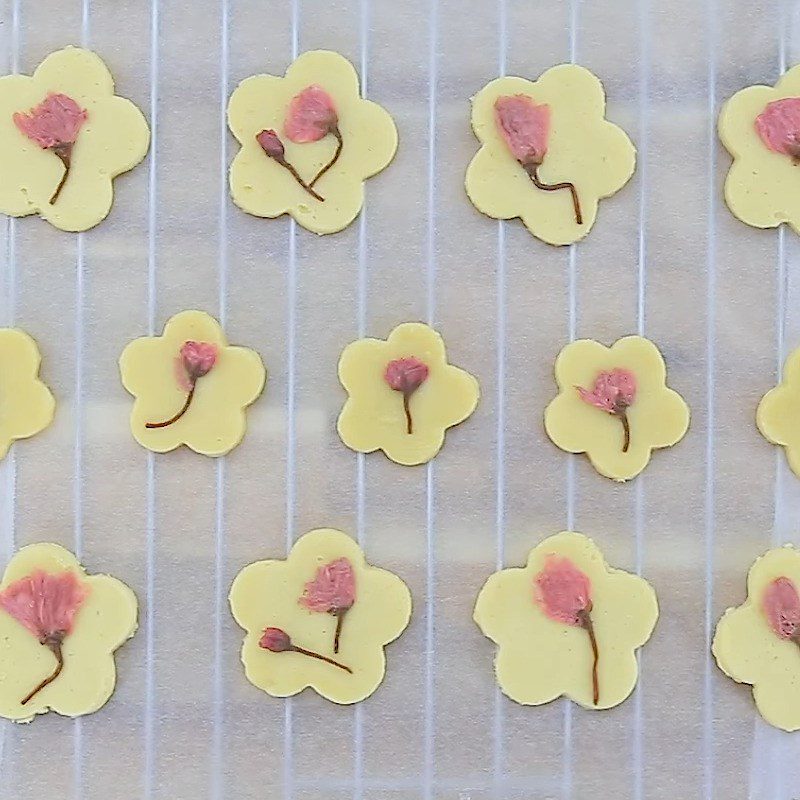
(626, 427)
(533, 174)
(585, 620)
(312, 654)
(54, 643)
(339, 144)
(177, 416)
(296, 175)
(64, 152)
(339, 614)
(409, 421)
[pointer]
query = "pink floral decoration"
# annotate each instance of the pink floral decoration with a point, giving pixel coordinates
(195, 360)
(781, 604)
(311, 115)
(524, 126)
(46, 604)
(271, 144)
(562, 591)
(55, 122)
(613, 391)
(275, 640)
(778, 125)
(406, 374)
(332, 589)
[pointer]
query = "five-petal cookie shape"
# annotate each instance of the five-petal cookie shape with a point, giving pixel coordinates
(566, 624)
(64, 137)
(614, 405)
(294, 614)
(548, 155)
(26, 404)
(59, 628)
(191, 386)
(758, 642)
(403, 394)
(779, 411)
(309, 141)
(760, 128)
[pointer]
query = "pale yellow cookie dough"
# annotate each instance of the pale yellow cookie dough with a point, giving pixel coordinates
(584, 149)
(779, 411)
(760, 188)
(261, 187)
(216, 420)
(538, 658)
(26, 404)
(113, 139)
(267, 594)
(106, 619)
(658, 417)
(749, 651)
(373, 417)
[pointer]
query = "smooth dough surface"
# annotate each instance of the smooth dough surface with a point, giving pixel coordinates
(262, 187)
(747, 649)
(779, 411)
(216, 420)
(113, 139)
(373, 417)
(107, 619)
(584, 148)
(26, 405)
(761, 186)
(266, 593)
(539, 659)
(658, 417)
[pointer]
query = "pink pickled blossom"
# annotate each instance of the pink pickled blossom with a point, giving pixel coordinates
(55, 121)
(406, 375)
(44, 603)
(524, 126)
(778, 125)
(781, 604)
(195, 360)
(271, 144)
(332, 589)
(275, 640)
(562, 591)
(311, 115)
(613, 391)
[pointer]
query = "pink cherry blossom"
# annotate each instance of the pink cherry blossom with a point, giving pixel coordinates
(198, 358)
(406, 374)
(55, 121)
(45, 603)
(562, 591)
(271, 144)
(781, 604)
(613, 391)
(332, 589)
(311, 116)
(275, 640)
(524, 126)
(778, 125)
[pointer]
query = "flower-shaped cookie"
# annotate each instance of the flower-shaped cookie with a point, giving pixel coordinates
(779, 409)
(309, 141)
(614, 405)
(64, 137)
(191, 386)
(59, 628)
(566, 624)
(26, 404)
(548, 155)
(758, 642)
(403, 394)
(760, 128)
(321, 618)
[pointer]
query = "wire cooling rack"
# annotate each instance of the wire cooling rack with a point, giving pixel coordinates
(665, 259)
